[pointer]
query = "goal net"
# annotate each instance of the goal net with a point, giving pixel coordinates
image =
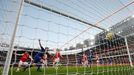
(92, 38)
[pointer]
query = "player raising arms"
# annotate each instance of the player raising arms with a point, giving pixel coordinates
(57, 57)
(39, 57)
(84, 60)
(23, 60)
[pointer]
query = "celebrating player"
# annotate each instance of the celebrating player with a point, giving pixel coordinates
(23, 60)
(84, 60)
(57, 57)
(38, 59)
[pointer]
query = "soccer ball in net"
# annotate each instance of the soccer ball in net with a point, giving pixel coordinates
(109, 36)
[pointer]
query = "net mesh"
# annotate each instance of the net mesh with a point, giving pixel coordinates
(85, 49)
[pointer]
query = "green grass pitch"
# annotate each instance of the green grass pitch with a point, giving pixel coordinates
(72, 70)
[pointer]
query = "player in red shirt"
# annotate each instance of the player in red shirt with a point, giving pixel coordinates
(23, 60)
(57, 57)
(84, 60)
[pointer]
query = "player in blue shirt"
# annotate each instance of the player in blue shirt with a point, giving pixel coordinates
(38, 57)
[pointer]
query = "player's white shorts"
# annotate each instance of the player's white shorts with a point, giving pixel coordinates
(23, 63)
(57, 60)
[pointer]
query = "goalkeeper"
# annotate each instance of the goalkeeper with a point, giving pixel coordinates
(38, 59)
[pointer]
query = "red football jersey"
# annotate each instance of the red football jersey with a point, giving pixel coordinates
(24, 57)
(57, 55)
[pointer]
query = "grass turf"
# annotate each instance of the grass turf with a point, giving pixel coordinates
(72, 70)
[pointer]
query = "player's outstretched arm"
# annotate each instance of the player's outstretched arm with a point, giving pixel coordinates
(42, 49)
(40, 43)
